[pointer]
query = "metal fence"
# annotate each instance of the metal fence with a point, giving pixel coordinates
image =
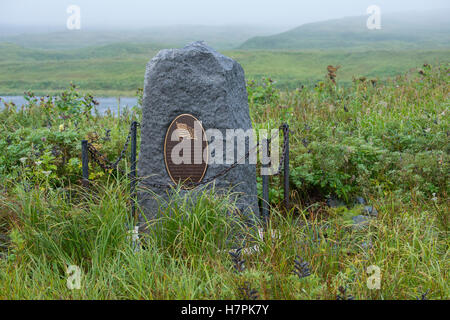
(89, 151)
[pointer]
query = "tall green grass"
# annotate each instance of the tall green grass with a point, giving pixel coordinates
(183, 258)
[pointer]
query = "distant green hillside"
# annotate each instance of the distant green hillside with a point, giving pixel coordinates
(294, 68)
(398, 31)
(118, 69)
(14, 52)
(220, 37)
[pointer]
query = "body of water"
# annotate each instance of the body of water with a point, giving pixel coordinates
(104, 103)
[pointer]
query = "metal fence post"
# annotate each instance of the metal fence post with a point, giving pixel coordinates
(286, 166)
(85, 163)
(133, 166)
(265, 183)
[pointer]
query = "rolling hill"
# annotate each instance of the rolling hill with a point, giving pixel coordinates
(398, 31)
(111, 62)
(220, 37)
(118, 69)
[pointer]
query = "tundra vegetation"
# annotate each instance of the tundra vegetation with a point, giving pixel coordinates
(369, 187)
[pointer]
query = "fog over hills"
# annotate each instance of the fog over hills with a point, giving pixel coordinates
(111, 61)
(405, 30)
(220, 37)
(398, 30)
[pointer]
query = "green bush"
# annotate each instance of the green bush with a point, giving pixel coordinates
(41, 140)
(370, 138)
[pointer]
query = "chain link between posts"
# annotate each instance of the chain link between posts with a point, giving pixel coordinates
(101, 159)
(108, 166)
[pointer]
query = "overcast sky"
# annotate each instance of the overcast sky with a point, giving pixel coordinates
(142, 13)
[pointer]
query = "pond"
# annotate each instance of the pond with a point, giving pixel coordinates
(111, 103)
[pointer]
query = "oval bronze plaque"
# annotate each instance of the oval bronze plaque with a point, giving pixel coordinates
(186, 150)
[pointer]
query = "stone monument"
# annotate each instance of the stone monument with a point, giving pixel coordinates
(182, 86)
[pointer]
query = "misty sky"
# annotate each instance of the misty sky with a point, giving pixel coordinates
(143, 13)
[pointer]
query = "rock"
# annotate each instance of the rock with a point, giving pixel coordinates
(199, 81)
(335, 203)
(360, 222)
(367, 244)
(370, 211)
(360, 200)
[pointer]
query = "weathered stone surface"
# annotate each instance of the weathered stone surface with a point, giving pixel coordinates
(360, 200)
(367, 245)
(202, 82)
(370, 211)
(360, 222)
(335, 203)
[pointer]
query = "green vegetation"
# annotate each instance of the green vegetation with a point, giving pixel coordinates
(118, 69)
(112, 63)
(292, 69)
(384, 141)
(113, 69)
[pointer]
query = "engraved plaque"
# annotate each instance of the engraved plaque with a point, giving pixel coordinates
(186, 150)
